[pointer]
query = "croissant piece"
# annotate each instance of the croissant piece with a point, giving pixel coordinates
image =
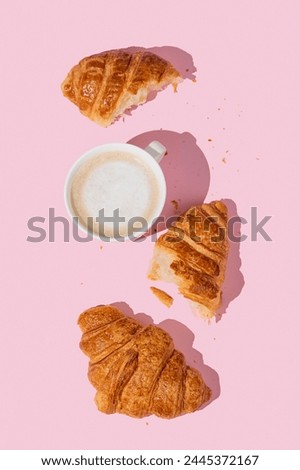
(162, 296)
(193, 255)
(136, 370)
(105, 85)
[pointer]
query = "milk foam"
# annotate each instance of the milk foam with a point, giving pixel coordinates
(115, 180)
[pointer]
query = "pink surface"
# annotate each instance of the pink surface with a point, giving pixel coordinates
(245, 101)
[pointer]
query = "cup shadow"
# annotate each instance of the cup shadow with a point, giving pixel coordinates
(186, 171)
(183, 339)
(234, 279)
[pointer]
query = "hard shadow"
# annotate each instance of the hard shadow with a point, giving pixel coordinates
(186, 171)
(183, 339)
(144, 319)
(180, 59)
(234, 279)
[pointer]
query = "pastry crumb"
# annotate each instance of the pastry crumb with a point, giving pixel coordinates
(162, 296)
(101, 247)
(209, 140)
(175, 204)
(224, 160)
(147, 424)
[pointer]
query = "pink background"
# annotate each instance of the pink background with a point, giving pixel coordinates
(245, 101)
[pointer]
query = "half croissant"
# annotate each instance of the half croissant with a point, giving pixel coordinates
(135, 369)
(193, 255)
(105, 85)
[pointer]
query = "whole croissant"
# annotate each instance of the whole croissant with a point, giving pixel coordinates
(193, 254)
(104, 85)
(135, 369)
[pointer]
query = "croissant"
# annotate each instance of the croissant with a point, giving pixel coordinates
(136, 370)
(193, 255)
(105, 85)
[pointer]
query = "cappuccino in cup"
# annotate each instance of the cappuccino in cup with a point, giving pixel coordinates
(116, 191)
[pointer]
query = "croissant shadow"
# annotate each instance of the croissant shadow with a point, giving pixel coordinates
(183, 339)
(143, 318)
(179, 58)
(186, 172)
(234, 279)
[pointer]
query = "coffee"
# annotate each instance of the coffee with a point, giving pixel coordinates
(117, 185)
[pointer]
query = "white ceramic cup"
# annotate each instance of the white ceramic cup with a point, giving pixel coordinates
(150, 156)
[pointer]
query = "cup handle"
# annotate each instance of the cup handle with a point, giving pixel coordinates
(156, 150)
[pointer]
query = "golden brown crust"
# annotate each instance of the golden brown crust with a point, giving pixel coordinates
(196, 250)
(104, 85)
(136, 370)
(162, 296)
